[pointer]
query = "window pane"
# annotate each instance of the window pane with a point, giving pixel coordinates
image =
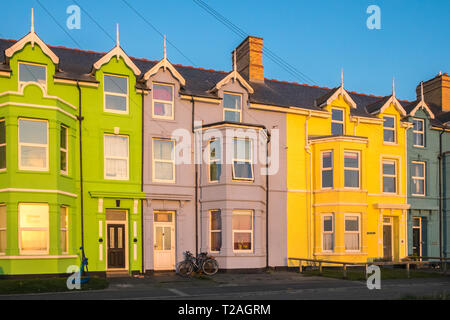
(161, 92)
(327, 160)
(115, 103)
(352, 241)
(33, 157)
(242, 241)
(337, 129)
(2, 217)
(418, 125)
(116, 168)
(328, 224)
(63, 240)
(33, 131)
(389, 136)
(63, 138)
(242, 221)
(163, 171)
(418, 170)
(214, 150)
(352, 224)
(116, 84)
(63, 161)
(232, 101)
(337, 115)
(33, 216)
(351, 160)
(3, 157)
(242, 170)
(163, 217)
(116, 146)
(163, 149)
(162, 109)
(2, 241)
(216, 241)
(351, 179)
(419, 139)
(389, 185)
(63, 218)
(167, 238)
(232, 116)
(32, 73)
(2, 132)
(215, 169)
(216, 222)
(389, 168)
(34, 240)
(327, 179)
(389, 122)
(328, 241)
(418, 186)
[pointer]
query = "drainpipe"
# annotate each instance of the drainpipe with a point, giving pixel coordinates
(142, 185)
(196, 179)
(440, 194)
(80, 119)
(308, 151)
(406, 187)
(267, 198)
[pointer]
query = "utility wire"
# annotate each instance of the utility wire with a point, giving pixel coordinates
(266, 51)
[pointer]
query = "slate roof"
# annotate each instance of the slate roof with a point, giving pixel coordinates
(77, 64)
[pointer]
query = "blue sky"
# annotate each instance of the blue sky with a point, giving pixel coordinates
(316, 37)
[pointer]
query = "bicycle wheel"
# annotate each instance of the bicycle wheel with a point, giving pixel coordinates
(210, 267)
(185, 268)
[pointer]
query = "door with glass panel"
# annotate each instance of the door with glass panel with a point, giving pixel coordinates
(387, 239)
(116, 246)
(164, 240)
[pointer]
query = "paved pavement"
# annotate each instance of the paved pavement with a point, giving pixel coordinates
(264, 286)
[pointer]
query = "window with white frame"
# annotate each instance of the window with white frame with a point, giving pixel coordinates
(216, 230)
(2, 228)
(337, 121)
(2, 144)
(215, 166)
(64, 149)
(389, 132)
(32, 73)
(351, 170)
(418, 175)
(242, 230)
(242, 159)
(64, 229)
(232, 107)
(163, 160)
(328, 232)
(163, 101)
(418, 132)
(352, 233)
(115, 94)
(33, 228)
(327, 169)
(33, 144)
(389, 176)
(116, 157)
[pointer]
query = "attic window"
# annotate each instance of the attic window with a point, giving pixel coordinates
(337, 121)
(32, 73)
(232, 105)
(116, 94)
(163, 101)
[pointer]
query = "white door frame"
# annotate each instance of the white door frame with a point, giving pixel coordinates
(125, 223)
(172, 225)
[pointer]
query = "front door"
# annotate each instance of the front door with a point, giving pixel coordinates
(116, 246)
(164, 240)
(417, 237)
(387, 242)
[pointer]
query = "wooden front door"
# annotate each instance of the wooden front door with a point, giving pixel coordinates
(116, 246)
(164, 240)
(387, 242)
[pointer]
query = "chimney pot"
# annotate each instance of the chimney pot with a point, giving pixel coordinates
(437, 91)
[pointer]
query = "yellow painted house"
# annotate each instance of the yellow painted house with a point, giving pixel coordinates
(346, 179)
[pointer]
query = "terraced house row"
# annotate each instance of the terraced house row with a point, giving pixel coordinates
(138, 161)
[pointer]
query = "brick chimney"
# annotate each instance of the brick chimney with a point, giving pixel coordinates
(249, 59)
(437, 91)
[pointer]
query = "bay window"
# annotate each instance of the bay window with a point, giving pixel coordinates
(352, 233)
(351, 169)
(242, 159)
(33, 145)
(327, 232)
(215, 166)
(215, 230)
(327, 169)
(116, 155)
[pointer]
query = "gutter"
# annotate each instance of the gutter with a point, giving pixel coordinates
(80, 119)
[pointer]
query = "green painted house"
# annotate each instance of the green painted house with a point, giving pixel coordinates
(59, 189)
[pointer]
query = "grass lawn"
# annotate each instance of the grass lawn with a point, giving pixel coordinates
(386, 273)
(47, 285)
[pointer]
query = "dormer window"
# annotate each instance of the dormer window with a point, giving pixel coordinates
(163, 101)
(337, 122)
(389, 133)
(419, 132)
(32, 73)
(115, 94)
(232, 107)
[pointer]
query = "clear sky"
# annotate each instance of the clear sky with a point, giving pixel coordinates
(317, 37)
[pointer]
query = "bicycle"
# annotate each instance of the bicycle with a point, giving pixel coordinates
(84, 264)
(204, 263)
